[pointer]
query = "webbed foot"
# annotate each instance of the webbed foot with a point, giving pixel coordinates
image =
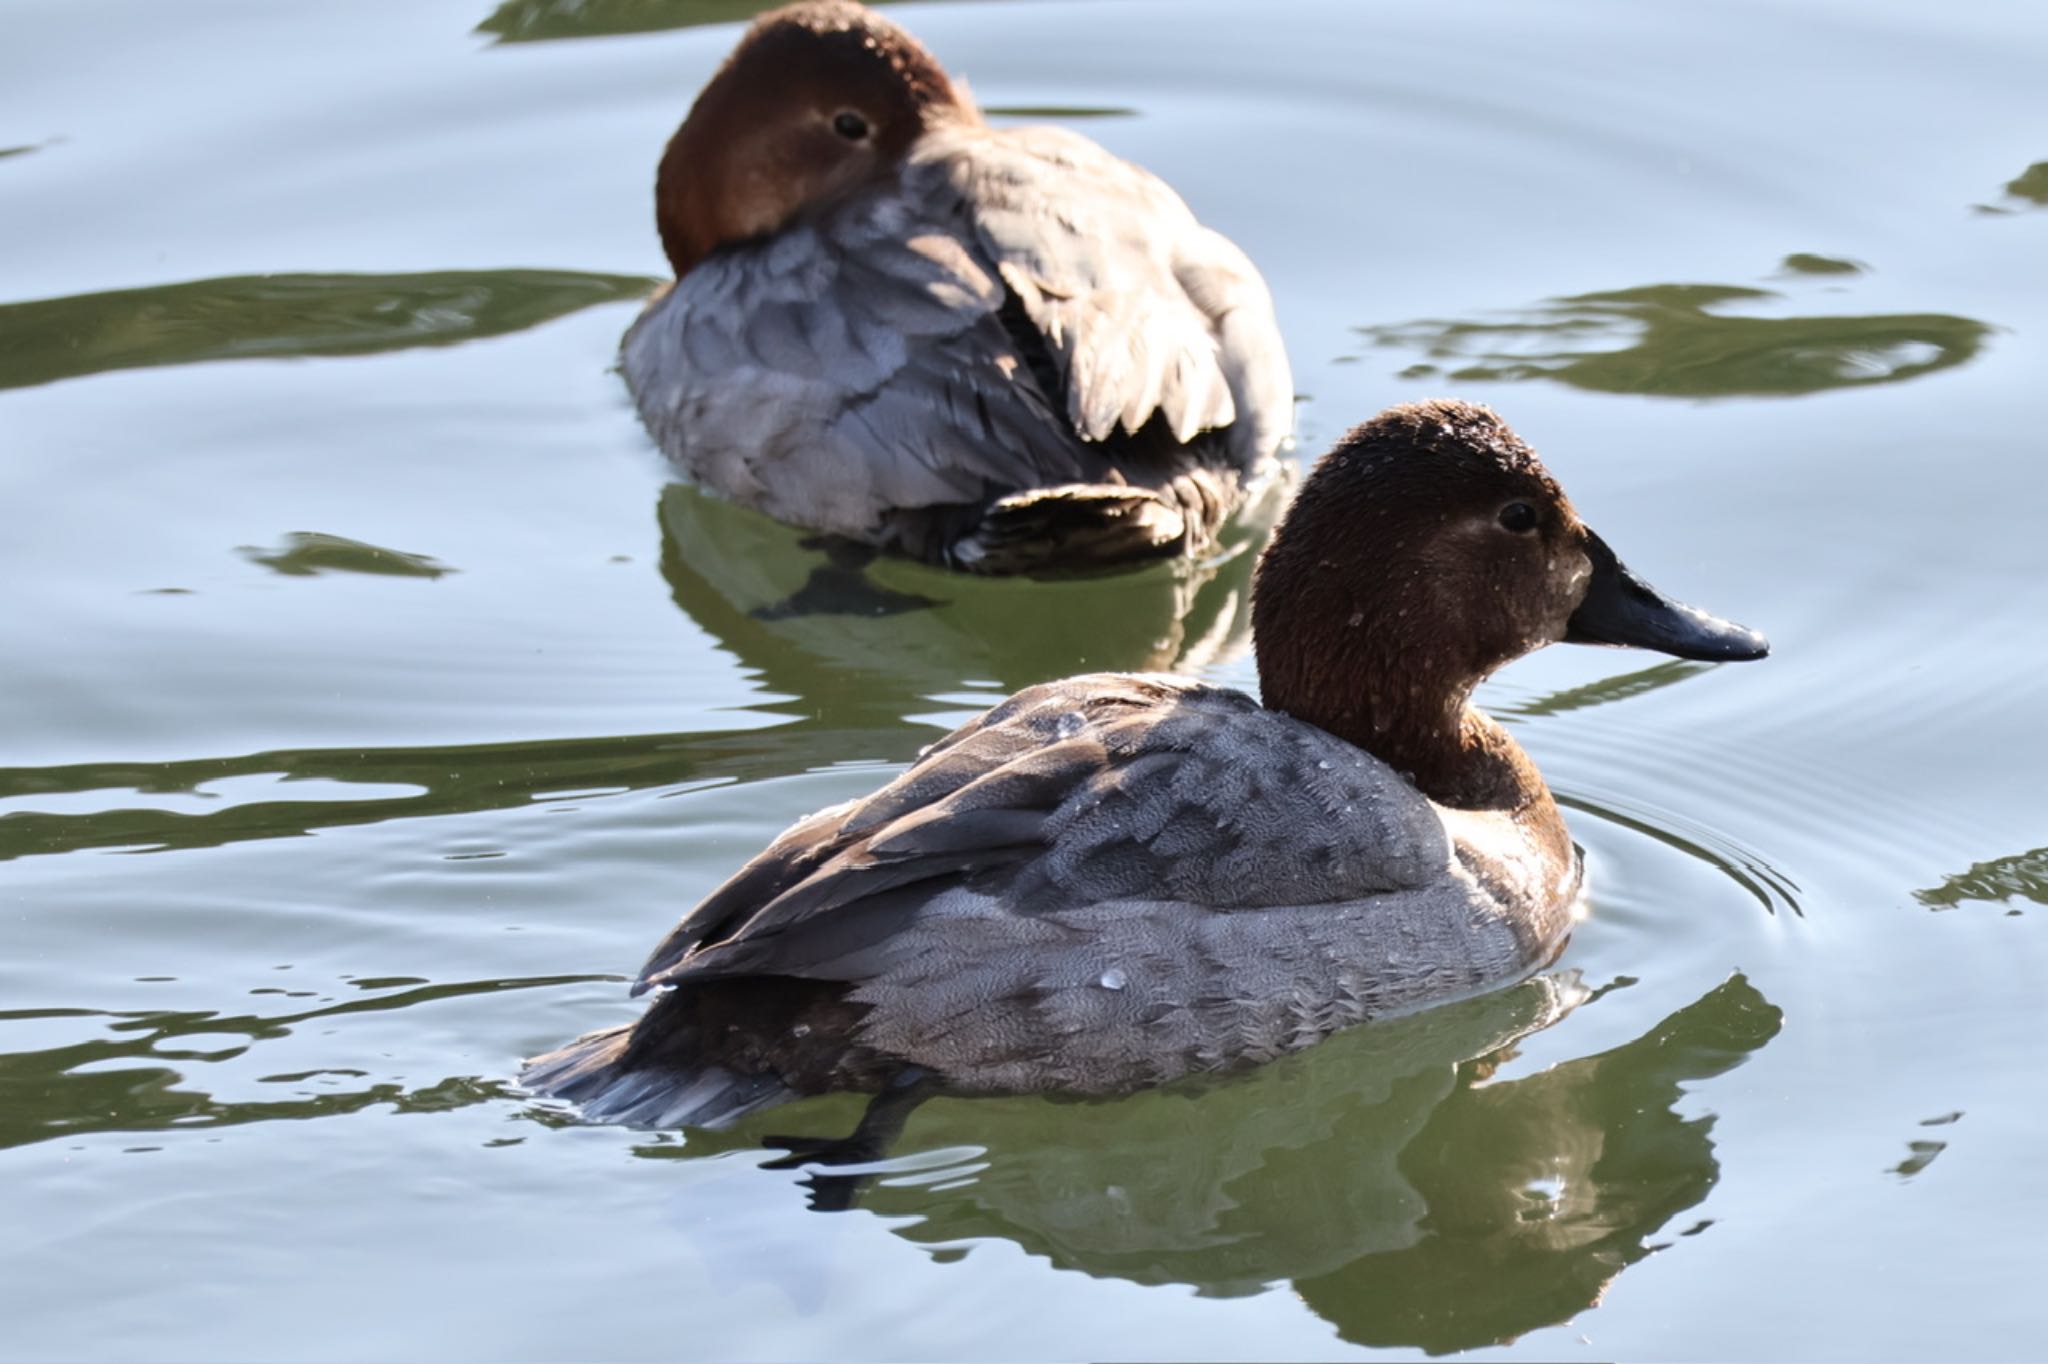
(870, 1140)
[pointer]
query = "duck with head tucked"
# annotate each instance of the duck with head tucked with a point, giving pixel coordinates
(1114, 880)
(999, 349)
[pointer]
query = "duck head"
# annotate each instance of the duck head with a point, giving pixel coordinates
(1427, 549)
(818, 100)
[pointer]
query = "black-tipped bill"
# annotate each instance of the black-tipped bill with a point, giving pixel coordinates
(1622, 609)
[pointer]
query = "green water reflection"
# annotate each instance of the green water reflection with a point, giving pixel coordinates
(1810, 263)
(268, 317)
(1607, 690)
(135, 1077)
(528, 21)
(2027, 190)
(2031, 185)
(885, 657)
(305, 554)
(1059, 113)
(2022, 876)
(1674, 340)
(1409, 1194)
(1921, 1152)
(456, 779)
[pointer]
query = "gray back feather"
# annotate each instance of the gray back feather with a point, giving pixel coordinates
(859, 363)
(1146, 310)
(1071, 795)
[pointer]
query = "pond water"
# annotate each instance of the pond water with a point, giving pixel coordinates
(375, 700)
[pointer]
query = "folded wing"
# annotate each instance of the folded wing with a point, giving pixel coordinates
(1146, 311)
(847, 368)
(1006, 320)
(1086, 792)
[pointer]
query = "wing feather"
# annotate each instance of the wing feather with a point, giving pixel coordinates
(847, 369)
(1077, 793)
(1003, 321)
(1146, 310)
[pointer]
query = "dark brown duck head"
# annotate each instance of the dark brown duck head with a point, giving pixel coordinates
(818, 100)
(1427, 549)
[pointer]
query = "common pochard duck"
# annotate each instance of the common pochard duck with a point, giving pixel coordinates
(1114, 880)
(999, 349)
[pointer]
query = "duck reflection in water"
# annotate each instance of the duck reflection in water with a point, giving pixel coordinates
(1413, 1182)
(1117, 880)
(871, 645)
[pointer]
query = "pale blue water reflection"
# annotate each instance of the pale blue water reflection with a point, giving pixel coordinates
(297, 856)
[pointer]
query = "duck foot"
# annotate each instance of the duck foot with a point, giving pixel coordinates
(870, 1140)
(841, 587)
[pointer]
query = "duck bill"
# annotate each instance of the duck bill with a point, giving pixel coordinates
(1622, 609)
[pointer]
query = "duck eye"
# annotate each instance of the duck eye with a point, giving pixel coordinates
(1518, 517)
(850, 125)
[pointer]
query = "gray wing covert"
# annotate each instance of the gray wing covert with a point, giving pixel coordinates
(1214, 801)
(1083, 792)
(1146, 310)
(864, 358)
(976, 798)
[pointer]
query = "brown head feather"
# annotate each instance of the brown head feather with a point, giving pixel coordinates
(1392, 588)
(769, 136)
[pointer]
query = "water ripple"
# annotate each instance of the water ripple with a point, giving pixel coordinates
(117, 1082)
(1678, 341)
(268, 317)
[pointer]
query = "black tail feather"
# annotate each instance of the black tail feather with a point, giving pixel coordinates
(1073, 526)
(592, 1072)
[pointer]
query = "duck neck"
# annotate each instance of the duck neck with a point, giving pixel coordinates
(1456, 754)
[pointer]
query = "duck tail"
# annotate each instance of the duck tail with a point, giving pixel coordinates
(1073, 526)
(598, 1073)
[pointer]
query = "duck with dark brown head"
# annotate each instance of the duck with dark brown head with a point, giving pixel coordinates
(1114, 880)
(999, 349)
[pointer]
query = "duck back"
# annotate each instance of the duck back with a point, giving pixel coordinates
(1019, 353)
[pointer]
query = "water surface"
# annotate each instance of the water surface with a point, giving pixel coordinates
(375, 700)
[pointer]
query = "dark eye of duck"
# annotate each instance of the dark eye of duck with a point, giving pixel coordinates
(850, 125)
(1518, 517)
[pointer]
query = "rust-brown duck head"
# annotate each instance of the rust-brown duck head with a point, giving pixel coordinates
(818, 100)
